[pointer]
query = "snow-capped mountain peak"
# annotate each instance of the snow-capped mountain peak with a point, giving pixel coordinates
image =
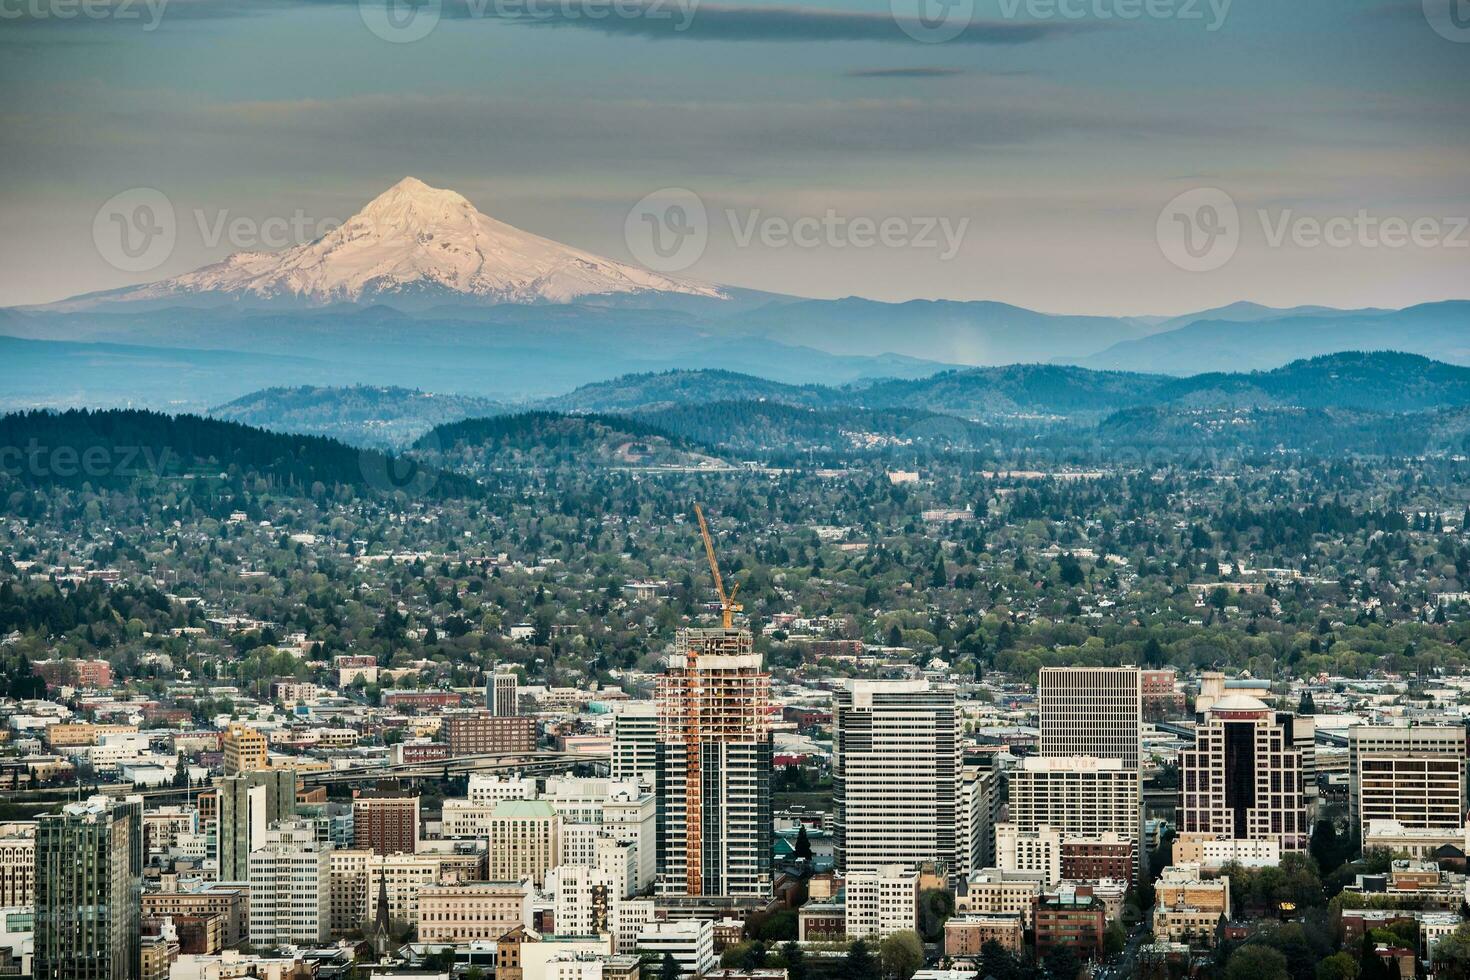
(417, 241)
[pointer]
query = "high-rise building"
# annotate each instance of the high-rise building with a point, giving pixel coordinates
(714, 767)
(895, 775)
(978, 810)
(249, 803)
(385, 820)
(1092, 711)
(502, 694)
(525, 841)
(1082, 796)
(245, 750)
(635, 742)
(290, 887)
(1243, 777)
(88, 891)
(1412, 775)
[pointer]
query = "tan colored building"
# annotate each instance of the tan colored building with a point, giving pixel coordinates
(1412, 775)
(966, 935)
(17, 863)
(995, 892)
(1243, 777)
(230, 902)
(154, 958)
(348, 886)
(476, 911)
(525, 841)
(1188, 909)
(245, 750)
(71, 735)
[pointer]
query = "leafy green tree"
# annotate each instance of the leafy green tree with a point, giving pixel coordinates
(858, 964)
(1256, 962)
(902, 954)
(1338, 966)
(795, 961)
(1452, 955)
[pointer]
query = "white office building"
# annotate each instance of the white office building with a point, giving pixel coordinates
(895, 776)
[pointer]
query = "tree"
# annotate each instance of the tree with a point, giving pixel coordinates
(998, 962)
(778, 927)
(795, 961)
(669, 968)
(858, 963)
(936, 907)
(803, 848)
(1452, 955)
(1115, 939)
(1061, 963)
(902, 954)
(1256, 962)
(1338, 966)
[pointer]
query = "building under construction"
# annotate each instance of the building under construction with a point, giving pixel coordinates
(714, 767)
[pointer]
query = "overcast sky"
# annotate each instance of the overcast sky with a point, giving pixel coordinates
(1060, 139)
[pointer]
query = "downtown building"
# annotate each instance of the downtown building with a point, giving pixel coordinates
(896, 777)
(88, 891)
(1412, 777)
(1243, 779)
(714, 822)
(1090, 749)
(502, 694)
(249, 804)
(290, 887)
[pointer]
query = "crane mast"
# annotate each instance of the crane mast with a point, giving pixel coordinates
(728, 606)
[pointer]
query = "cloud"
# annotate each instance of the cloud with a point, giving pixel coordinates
(920, 72)
(721, 22)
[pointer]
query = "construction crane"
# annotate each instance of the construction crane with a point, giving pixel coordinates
(728, 606)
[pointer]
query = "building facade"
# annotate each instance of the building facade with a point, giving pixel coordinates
(1243, 776)
(1093, 711)
(88, 891)
(1412, 775)
(714, 767)
(290, 887)
(895, 775)
(249, 803)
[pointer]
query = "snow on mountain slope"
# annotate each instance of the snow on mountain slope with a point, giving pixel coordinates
(415, 239)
